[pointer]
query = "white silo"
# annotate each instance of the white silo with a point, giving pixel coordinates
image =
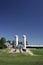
(24, 42)
(16, 40)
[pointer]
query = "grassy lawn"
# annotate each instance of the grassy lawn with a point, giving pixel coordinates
(19, 59)
(37, 51)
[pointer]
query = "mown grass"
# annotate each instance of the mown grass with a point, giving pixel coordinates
(19, 59)
(37, 51)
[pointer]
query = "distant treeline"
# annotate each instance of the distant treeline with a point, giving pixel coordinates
(3, 41)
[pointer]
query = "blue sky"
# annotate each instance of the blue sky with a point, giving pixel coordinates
(22, 17)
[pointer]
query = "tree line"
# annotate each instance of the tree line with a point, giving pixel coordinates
(3, 41)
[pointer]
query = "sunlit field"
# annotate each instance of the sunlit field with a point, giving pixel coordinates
(20, 59)
(37, 51)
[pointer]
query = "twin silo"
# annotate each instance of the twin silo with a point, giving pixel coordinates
(23, 42)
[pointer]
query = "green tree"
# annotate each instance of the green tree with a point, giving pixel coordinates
(22, 43)
(26, 42)
(13, 42)
(19, 42)
(9, 41)
(2, 42)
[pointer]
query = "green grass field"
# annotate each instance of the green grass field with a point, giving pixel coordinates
(37, 51)
(19, 59)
